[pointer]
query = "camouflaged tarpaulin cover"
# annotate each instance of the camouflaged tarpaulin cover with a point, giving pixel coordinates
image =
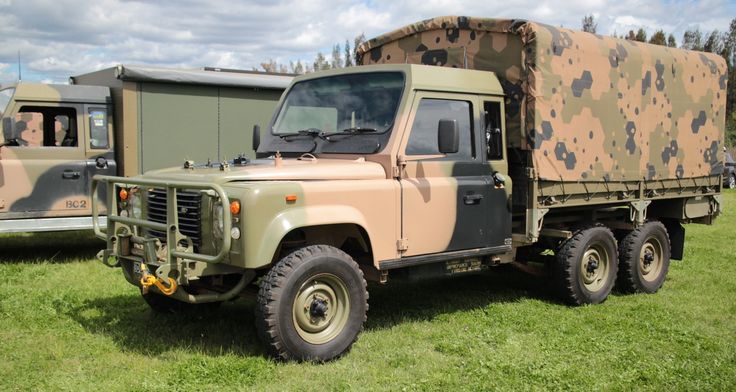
(589, 107)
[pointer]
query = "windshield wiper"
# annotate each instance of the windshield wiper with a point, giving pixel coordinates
(351, 131)
(313, 132)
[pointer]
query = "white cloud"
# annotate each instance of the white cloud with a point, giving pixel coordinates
(67, 37)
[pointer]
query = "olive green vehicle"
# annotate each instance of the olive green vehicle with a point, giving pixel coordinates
(499, 142)
(57, 137)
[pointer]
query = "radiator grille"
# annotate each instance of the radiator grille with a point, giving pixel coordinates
(190, 206)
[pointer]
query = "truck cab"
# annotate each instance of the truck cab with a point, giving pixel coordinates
(55, 139)
(361, 171)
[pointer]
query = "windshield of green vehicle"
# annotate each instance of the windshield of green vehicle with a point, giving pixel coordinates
(354, 104)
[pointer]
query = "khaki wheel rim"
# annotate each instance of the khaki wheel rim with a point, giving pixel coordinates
(650, 260)
(321, 308)
(595, 268)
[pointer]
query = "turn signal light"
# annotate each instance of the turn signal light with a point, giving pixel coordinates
(123, 194)
(234, 207)
(290, 198)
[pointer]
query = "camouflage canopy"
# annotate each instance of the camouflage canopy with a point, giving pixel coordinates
(588, 107)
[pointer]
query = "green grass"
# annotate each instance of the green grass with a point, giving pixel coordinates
(69, 323)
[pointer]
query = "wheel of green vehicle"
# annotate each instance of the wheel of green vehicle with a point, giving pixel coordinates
(163, 304)
(312, 304)
(644, 259)
(586, 266)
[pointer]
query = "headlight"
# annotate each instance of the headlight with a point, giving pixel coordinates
(134, 204)
(219, 220)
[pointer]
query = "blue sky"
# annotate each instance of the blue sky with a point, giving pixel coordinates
(60, 38)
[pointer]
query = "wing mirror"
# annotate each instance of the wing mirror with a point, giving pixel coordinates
(448, 136)
(9, 132)
(8, 128)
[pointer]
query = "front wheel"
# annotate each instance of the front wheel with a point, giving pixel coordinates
(586, 266)
(312, 304)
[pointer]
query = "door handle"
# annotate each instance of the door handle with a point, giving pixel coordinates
(472, 198)
(70, 175)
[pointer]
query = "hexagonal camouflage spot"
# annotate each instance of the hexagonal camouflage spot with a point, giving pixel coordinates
(578, 85)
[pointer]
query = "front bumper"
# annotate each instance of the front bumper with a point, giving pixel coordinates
(175, 258)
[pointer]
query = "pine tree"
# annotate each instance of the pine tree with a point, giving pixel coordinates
(320, 62)
(692, 39)
(641, 35)
(336, 61)
(348, 55)
(589, 24)
(671, 41)
(658, 38)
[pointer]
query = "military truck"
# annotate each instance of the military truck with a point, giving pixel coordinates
(56, 137)
(501, 141)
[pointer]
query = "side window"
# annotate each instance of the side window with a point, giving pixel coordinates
(98, 137)
(492, 128)
(38, 126)
(423, 137)
(28, 130)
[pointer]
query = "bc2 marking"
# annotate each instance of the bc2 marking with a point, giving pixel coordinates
(76, 204)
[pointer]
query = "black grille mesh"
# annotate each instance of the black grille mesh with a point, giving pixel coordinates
(190, 206)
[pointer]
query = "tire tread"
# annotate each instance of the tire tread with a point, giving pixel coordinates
(272, 288)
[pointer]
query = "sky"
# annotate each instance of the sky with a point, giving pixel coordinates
(60, 38)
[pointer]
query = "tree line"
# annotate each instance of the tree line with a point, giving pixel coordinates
(340, 57)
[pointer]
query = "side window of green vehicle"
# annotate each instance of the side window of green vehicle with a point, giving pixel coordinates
(39, 126)
(423, 137)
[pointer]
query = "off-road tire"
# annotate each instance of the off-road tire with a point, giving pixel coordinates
(585, 269)
(633, 273)
(282, 292)
(163, 304)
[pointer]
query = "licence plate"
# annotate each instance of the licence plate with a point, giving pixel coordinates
(136, 267)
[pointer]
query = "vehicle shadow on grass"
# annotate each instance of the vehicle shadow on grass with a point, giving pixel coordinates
(57, 247)
(133, 326)
(128, 321)
(424, 300)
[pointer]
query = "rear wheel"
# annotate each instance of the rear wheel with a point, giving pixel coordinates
(644, 259)
(586, 266)
(312, 304)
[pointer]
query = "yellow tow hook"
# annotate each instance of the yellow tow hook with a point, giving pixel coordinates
(148, 280)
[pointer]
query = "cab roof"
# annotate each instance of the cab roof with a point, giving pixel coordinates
(32, 91)
(427, 77)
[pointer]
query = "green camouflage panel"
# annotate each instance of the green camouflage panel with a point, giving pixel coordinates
(588, 107)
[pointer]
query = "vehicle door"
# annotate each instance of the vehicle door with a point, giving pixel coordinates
(444, 197)
(498, 213)
(99, 148)
(43, 162)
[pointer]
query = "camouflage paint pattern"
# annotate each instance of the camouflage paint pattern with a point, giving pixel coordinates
(588, 107)
(360, 192)
(52, 180)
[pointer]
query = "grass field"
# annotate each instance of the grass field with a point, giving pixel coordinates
(69, 323)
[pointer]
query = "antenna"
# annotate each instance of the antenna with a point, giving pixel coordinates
(19, 75)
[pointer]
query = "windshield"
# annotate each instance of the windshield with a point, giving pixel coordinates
(5, 96)
(340, 112)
